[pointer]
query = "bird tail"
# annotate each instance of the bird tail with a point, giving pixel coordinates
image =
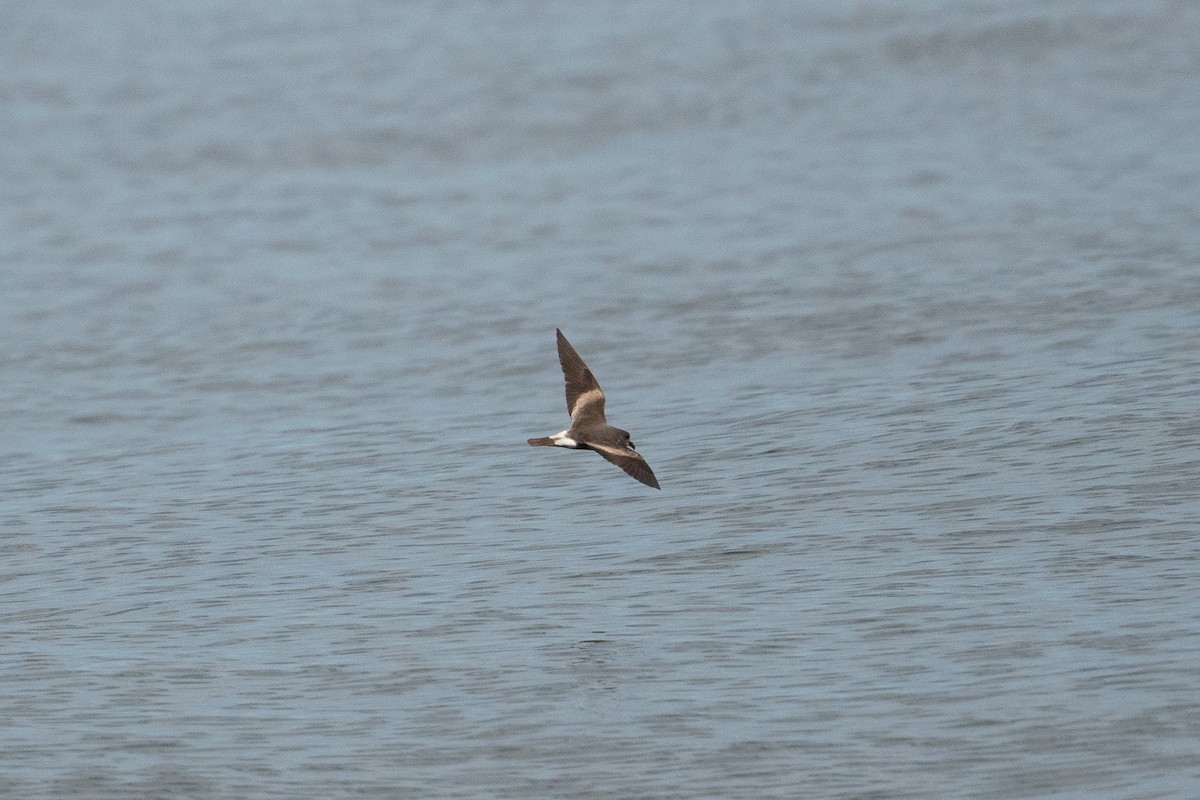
(543, 442)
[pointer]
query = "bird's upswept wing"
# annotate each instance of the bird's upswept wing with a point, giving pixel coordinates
(585, 399)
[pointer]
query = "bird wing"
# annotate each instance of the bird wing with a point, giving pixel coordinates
(629, 460)
(585, 399)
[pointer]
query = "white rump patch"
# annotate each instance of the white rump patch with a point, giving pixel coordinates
(562, 440)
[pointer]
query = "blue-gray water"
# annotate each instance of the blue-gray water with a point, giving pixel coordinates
(900, 300)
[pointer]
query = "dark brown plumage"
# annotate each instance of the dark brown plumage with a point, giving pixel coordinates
(589, 429)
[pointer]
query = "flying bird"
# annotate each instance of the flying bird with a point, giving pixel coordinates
(589, 429)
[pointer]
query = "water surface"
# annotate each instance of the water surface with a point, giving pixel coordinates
(899, 300)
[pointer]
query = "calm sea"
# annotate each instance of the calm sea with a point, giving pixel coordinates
(901, 301)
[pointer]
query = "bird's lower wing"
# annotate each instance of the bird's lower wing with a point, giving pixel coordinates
(630, 461)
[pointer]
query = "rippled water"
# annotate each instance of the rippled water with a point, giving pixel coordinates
(900, 301)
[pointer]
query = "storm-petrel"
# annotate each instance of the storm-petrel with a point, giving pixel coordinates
(589, 430)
